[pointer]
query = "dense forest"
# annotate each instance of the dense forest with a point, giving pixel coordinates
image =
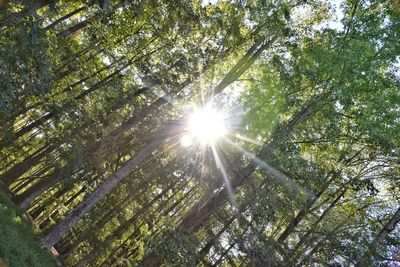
(200, 133)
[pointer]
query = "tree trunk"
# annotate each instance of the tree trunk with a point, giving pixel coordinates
(52, 113)
(23, 183)
(32, 160)
(124, 226)
(85, 22)
(245, 62)
(65, 247)
(320, 218)
(386, 230)
(26, 198)
(86, 205)
(67, 16)
(19, 169)
(73, 29)
(299, 217)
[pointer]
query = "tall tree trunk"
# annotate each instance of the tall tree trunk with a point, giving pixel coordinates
(177, 202)
(68, 243)
(73, 29)
(16, 171)
(124, 226)
(86, 205)
(385, 231)
(23, 183)
(26, 198)
(19, 169)
(65, 17)
(246, 61)
(104, 81)
(320, 218)
(315, 249)
(81, 25)
(300, 216)
(65, 249)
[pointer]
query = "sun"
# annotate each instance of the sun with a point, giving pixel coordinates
(206, 125)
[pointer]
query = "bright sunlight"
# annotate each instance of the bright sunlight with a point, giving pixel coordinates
(205, 126)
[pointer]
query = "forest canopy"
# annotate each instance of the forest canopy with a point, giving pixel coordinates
(202, 133)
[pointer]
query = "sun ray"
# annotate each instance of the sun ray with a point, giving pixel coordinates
(270, 169)
(161, 94)
(247, 139)
(228, 185)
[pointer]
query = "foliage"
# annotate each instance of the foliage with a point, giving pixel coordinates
(96, 98)
(18, 244)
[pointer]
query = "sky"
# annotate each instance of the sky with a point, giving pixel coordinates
(334, 23)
